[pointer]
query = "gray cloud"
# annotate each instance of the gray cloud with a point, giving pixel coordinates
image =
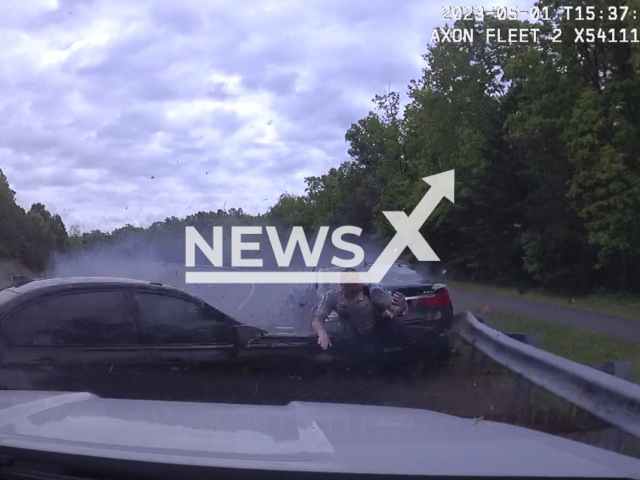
(131, 126)
(218, 91)
(225, 121)
(68, 12)
(280, 83)
(178, 20)
(218, 102)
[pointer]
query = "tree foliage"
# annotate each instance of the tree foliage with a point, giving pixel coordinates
(28, 237)
(544, 138)
(545, 141)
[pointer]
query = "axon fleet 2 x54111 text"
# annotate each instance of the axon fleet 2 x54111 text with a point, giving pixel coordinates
(591, 31)
(533, 35)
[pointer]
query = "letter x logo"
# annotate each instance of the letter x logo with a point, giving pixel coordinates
(408, 227)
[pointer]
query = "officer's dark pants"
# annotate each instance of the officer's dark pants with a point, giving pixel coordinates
(359, 350)
(387, 345)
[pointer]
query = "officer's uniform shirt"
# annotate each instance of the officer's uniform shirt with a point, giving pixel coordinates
(358, 314)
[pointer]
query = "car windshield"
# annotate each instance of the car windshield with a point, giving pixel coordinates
(427, 211)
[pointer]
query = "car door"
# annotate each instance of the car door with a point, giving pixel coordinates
(196, 346)
(182, 331)
(26, 345)
(82, 340)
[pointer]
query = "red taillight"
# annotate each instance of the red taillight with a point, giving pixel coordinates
(440, 299)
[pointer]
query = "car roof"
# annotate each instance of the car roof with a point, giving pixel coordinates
(399, 273)
(9, 294)
(51, 283)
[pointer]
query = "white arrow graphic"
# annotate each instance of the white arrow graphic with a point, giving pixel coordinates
(408, 228)
(407, 235)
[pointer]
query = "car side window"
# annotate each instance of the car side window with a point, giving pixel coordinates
(27, 327)
(175, 320)
(90, 318)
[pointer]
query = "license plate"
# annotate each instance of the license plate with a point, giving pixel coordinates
(413, 305)
(426, 315)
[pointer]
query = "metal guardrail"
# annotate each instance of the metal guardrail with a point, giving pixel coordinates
(611, 399)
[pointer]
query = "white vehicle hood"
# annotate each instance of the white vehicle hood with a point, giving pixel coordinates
(300, 436)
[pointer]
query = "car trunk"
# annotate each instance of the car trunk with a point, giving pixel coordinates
(428, 305)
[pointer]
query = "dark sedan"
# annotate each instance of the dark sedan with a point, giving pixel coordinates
(126, 338)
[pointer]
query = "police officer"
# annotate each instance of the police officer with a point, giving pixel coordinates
(360, 310)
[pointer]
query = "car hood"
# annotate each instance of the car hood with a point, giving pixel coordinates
(298, 436)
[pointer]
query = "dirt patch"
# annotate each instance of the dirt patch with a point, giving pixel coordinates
(11, 268)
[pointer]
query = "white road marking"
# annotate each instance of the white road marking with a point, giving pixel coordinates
(253, 289)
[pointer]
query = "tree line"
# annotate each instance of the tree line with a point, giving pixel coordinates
(544, 138)
(28, 237)
(36, 237)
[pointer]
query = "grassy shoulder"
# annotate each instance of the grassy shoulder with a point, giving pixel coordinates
(10, 268)
(616, 305)
(582, 346)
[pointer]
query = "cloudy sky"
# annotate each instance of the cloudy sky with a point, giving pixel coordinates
(129, 111)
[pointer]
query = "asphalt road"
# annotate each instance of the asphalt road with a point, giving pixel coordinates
(265, 304)
(254, 304)
(259, 304)
(474, 300)
(624, 328)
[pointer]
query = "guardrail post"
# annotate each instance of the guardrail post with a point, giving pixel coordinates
(617, 369)
(612, 438)
(477, 359)
(613, 400)
(522, 394)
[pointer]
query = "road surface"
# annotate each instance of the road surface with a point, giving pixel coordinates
(624, 328)
(474, 300)
(264, 305)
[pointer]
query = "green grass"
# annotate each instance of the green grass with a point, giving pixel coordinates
(617, 305)
(579, 345)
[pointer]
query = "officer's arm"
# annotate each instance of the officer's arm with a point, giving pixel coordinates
(399, 308)
(328, 303)
(386, 301)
